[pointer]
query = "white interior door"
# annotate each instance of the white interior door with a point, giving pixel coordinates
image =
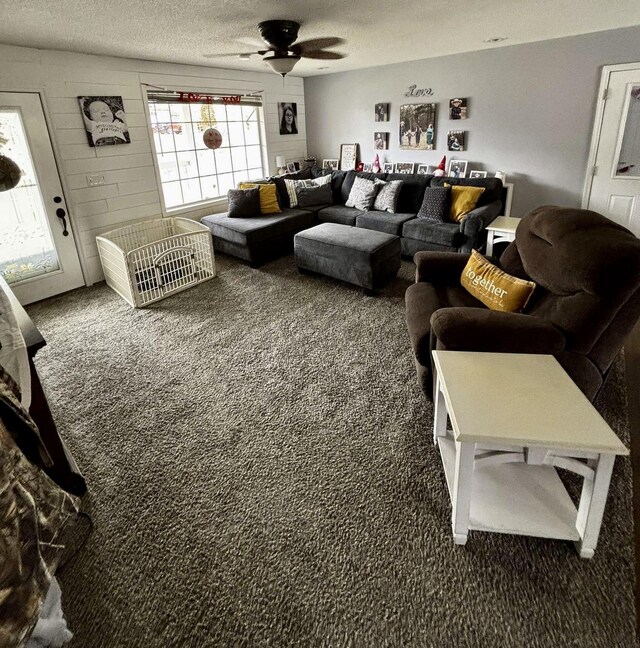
(615, 185)
(38, 255)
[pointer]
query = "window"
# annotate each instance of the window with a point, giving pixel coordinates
(190, 172)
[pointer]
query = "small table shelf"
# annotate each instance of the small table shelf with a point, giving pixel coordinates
(501, 456)
(501, 230)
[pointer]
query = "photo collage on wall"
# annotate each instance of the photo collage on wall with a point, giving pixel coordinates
(417, 132)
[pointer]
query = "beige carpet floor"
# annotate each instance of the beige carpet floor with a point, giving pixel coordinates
(261, 474)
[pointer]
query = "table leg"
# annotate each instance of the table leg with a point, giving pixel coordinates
(592, 501)
(440, 413)
(462, 483)
(489, 243)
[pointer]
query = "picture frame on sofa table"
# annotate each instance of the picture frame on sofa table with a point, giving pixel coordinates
(348, 156)
(424, 169)
(457, 168)
(477, 174)
(330, 164)
(404, 167)
(387, 167)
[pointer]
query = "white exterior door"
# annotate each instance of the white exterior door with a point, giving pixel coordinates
(613, 182)
(38, 255)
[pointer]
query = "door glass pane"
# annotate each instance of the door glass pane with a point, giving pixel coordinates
(26, 245)
(629, 160)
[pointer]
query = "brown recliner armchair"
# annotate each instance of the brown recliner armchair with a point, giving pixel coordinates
(587, 299)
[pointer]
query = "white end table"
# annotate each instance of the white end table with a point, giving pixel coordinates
(515, 418)
(501, 230)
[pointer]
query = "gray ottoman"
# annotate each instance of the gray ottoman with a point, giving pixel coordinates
(363, 257)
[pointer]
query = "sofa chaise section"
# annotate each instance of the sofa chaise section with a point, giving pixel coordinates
(257, 239)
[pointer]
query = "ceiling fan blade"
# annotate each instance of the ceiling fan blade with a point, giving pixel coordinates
(323, 55)
(238, 54)
(314, 44)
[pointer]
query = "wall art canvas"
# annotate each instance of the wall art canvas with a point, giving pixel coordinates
(104, 120)
(382, 112)
(288, 116)
(458, 108)
(455, 140)
(381, 141)
(418, 126)
(457, 169)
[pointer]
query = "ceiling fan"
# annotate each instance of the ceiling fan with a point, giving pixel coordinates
(283, 52)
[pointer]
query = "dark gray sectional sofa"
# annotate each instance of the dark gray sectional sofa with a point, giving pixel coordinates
(259, 239)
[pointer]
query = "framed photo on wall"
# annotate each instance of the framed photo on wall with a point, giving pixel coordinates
(418, 127)
(455, 140)
(458, 108)
(348, 156)
(288, 114)
(457, 168)
(382, 112)
(104, 120)
(381, 141)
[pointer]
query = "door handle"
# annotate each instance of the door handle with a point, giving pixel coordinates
(61, 214)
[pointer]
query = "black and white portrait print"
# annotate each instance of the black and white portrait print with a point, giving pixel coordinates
(381, 141)
(455, 140)
(104, 120)
(382, 112)
(417, 126)
(288, 114)
(458, 108)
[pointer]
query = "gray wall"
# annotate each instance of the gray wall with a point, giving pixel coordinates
(531, 110)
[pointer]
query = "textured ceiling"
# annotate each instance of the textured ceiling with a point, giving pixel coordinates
(376, 32)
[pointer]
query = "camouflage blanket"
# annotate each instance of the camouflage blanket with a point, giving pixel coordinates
(34, 512)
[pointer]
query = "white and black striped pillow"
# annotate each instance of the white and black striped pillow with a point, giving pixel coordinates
(292, 185)
(387, 198)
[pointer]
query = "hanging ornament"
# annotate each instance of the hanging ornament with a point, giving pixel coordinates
(9, 173)
(212, 138)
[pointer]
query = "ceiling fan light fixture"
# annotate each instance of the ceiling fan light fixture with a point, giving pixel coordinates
(282, 64)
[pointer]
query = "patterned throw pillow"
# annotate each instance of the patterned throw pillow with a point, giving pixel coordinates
(387, 198)
(363, 193)
(435, 204)
(292, 185)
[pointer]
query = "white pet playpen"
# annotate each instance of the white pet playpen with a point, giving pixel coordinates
(148, 261)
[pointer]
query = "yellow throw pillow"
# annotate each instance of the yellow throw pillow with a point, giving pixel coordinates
(268, 197)
(493, 287)
(463, 200)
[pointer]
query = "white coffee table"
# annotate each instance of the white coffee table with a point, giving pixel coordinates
(515, 418)
(501, 230)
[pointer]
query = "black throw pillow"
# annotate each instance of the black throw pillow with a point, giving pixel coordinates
(243, 203)
(435, 204)
(314, 196)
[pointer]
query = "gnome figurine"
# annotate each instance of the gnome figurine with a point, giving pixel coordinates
(439, 172)
(375, 167)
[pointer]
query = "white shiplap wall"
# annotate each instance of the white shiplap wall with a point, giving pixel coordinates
(131, 191)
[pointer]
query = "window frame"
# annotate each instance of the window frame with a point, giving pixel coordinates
(220, 201)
